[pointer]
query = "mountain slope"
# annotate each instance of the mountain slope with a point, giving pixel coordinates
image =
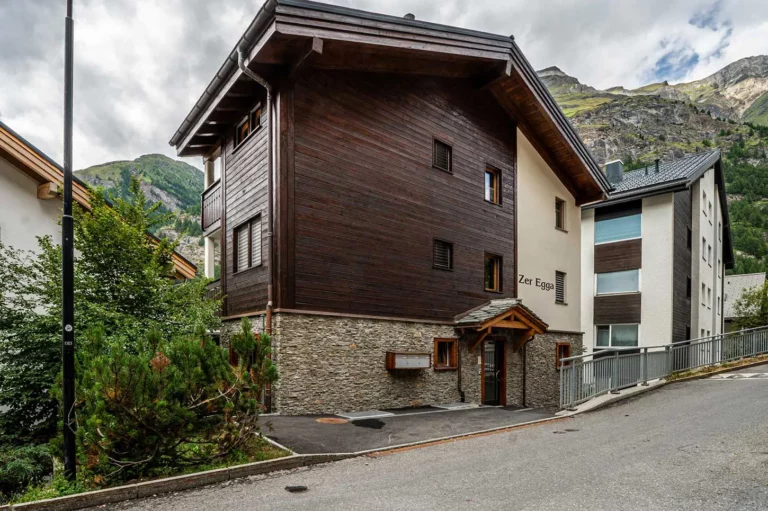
(176, 184)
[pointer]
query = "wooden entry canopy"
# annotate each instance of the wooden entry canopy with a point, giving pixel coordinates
(507, 313)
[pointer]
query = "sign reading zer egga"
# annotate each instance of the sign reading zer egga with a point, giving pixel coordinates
(537, 282)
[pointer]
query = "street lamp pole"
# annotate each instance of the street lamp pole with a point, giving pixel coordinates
(68, 265)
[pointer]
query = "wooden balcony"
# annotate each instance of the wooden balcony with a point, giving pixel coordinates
(211, 208)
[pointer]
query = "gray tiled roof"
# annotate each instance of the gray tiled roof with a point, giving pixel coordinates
(492, 309)
(735, 285)
(669, 172)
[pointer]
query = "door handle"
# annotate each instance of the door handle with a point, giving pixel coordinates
(498, 375)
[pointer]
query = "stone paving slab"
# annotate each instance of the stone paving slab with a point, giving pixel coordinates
(329, 434)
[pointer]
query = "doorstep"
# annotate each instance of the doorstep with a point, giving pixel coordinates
(320, 434)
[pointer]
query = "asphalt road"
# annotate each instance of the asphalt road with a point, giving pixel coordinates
(697, 445)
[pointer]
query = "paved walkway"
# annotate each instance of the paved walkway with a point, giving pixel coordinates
(698, 445)
(332, 434)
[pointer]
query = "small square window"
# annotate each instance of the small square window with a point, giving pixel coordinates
(563, 350)
(559, 214)
(493, 185)
(442, 156)
(560, 287)
(492, 273)
(445, 354)
(442, 255)
(243, 130)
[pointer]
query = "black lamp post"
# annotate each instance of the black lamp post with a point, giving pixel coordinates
(68, 265)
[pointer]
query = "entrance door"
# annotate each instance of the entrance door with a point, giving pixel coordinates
(493, 372)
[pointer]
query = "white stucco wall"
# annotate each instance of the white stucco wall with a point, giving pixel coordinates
(704, 315)
(543, 249)
(656, 275)
(23, 216)
(588, 278)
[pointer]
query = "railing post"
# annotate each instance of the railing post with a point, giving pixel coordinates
(754, 347)
(644, 363)
(615, 378)
(572, 390)
(669, 359)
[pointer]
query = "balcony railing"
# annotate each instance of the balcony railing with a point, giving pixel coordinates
(211, 206)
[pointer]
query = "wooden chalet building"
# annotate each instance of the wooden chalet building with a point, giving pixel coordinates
(398, 204)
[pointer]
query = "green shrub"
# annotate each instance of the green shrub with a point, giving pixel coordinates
(21, 467)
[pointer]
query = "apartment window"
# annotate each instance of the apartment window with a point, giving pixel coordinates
(704, 202)
(493, 185)
(442, 156)
(687, 333)
(616, 336)
(718, 305)
(719, 269)
(690, 239)
(704, 248)
(618, 282)
(492, 273)
(445, 354)
(618, 229)
(247, 245)
(709, 254)
(251, 123)
(709, 298)
(562, 350)
(719, 231)
(709, 208)
(559, 214)
(703, 332)
(688, 286)
(559, 287)
(442, 255)
(703, 293)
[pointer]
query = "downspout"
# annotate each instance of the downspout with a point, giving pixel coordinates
(243, 65)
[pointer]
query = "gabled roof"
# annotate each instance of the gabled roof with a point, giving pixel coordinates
(735, 285)
(480, 316)
(285, 32)
(39, 166)
(683, 170)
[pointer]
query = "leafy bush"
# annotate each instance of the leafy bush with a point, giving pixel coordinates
(21, 467)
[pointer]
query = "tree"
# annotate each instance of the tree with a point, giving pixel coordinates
(752, 308)
(123, 286)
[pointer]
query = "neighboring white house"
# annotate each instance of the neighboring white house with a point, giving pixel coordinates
(654, 255)
(30, 203)
(735, 286)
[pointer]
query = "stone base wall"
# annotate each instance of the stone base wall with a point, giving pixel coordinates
(337, 364)
(542, 389)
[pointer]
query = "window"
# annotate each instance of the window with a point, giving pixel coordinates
(560, 287)
(702, 332)
(616, 336)
(247, 245)
(688, 287)
(703, 293)
(559, 214)
(709, 254)
(709, 208)
(704, 248)
(562, 350)
(718, 305)
(493, 185)
(719, 269)
(445, 354)
(690, 238)
(442, 253)
(709, 298)
(618, 229)
(492, 273)
(687, 333)
(719, 231)
(441, 156)
(704, 202)
(618, 282)
(251, 123)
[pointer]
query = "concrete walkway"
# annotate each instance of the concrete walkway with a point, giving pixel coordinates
(333, 434)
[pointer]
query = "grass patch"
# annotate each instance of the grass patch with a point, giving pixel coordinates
(717, 368)
(256, 450)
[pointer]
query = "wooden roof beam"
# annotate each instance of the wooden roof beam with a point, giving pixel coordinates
(308, 58)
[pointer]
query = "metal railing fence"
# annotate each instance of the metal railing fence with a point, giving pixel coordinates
(583, 377)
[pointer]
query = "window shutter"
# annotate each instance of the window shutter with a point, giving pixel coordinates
(256, 240)
(559, 287)
(443, 254)
(241, 238)
(441, 157)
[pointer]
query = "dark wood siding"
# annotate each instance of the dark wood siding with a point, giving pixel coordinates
(681, 304)
(615, 309)
(368, 202)
(620, 256)
(619, 210)
(246, 197)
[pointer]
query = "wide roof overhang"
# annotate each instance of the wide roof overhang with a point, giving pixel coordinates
(288, 36)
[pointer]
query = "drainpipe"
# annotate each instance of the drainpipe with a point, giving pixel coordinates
(243, 65)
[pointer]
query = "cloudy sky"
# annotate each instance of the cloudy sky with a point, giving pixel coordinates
(141, 64)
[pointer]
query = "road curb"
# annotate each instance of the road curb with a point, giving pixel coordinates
(618, 398)
(721, 370)
(200, 479)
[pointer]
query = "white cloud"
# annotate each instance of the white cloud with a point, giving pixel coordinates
(141, 64)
